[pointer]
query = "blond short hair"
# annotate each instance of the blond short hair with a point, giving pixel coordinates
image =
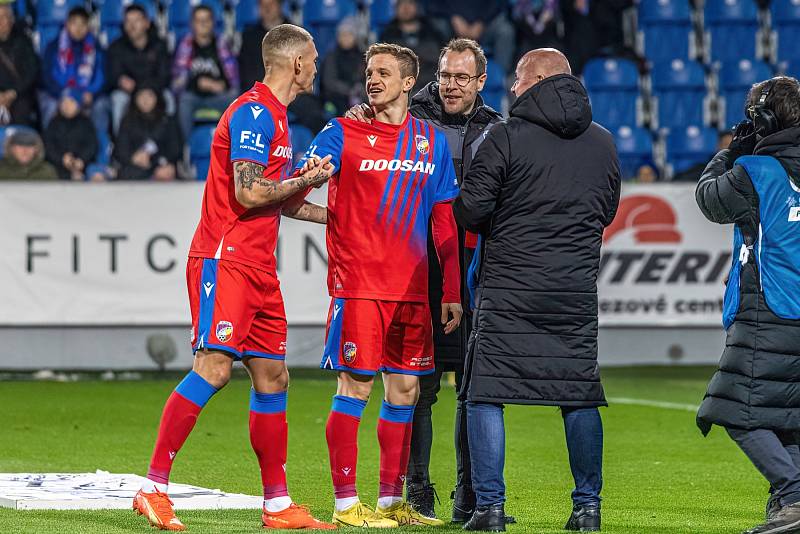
(406, 58)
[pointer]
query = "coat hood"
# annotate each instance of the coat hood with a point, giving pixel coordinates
(558, 103)
(427, 101)
(784, 146)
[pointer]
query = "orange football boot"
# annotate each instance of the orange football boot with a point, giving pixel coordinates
(157, 508)
(294, 517)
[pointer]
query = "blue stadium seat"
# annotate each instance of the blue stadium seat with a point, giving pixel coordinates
(634, 148)
(792, 68)
(380, 13)
(301, 140)
(666, 29)
(735, 80)
(732, 26)
(112, 12)
(54, 12)
(179, 15)
(320, 17)
(613, 86)
(21, 9)
(786, 24)
(200, 149)
(495, 89)
(689, 146)
(246, 13)
(680, 89)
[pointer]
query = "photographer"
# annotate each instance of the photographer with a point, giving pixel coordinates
(755, 183)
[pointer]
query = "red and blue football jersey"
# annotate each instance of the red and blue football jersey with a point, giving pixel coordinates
(387, 179)
(253, 128)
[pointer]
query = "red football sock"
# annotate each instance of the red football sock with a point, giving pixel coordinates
(342, 436)
(268, 436)
(177, 421)
(394, 437)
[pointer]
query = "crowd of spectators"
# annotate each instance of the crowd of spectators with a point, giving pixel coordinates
(126, 110)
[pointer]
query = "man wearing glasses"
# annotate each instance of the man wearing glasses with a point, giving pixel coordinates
(452, 104)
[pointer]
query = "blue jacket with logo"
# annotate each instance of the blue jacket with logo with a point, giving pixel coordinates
(757, 384)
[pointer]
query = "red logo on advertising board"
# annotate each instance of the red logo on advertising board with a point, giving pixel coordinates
(650, 218)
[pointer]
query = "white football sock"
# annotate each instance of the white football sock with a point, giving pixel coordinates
(148, 486)
(278, 504)
(344, 504)
(386, 502)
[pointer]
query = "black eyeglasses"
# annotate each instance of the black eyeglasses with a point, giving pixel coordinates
(462, 80)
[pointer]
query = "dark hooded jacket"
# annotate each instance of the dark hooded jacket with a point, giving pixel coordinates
(464, 135)
(756, 385)
(540, 190)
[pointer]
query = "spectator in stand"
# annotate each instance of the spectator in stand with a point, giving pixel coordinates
(606, 19)
(342, 80)
(578, 33)
(138, 57)
(408, 28)
(73, 61)
(149, 145)
(205, 73)
(19, 66)
(485, 22)
(23, 158)
(692, 174)
(251, 67)
(537, 23)
(70, 139)
(646, 174)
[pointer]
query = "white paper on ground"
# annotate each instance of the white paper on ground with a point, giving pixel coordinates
(103, 490)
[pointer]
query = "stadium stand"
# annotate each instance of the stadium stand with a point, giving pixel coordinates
(495, 89)
(732, 29)
(613, 86)
(689, 146)
(679, 89)
(735, 80)
(50, 15)
(665, 30)
(179, 15)
(321, 17)
(200, 150)
(785, 15)
(112, 15)
(380, 13)
(246, 12)
(634, 148)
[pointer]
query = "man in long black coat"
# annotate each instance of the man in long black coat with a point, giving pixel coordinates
(540, 191)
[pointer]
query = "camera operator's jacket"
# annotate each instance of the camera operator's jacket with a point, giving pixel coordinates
(541, 189)
(757, 384)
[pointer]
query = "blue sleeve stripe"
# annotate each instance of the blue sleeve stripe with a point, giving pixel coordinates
(396, 414)
(251, 129)
(329, 141)
(348, 406)
(194, 388)
(268, 402)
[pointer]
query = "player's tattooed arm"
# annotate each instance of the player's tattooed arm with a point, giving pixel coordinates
(306, 211)
(254, 190)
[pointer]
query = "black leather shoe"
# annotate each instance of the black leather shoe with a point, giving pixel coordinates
(584, 518)
(463, 504)
(488, 519)
(773, 507)
(785, 521)
(421, 497)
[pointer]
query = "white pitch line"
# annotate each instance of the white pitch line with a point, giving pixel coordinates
(654, 404)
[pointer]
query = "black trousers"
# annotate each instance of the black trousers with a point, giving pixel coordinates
(422, 433)
(777, 456)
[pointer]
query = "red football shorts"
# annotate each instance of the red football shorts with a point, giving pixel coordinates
(367, 336)
(236, 309)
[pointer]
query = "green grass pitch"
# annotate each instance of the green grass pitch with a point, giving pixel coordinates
(661, 475)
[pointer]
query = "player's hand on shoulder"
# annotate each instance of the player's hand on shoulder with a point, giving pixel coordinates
(361, 113)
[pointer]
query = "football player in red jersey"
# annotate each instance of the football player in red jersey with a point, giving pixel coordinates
(234, 294)
(391, 177)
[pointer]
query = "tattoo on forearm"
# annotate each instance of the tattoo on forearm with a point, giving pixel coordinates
(248, 173)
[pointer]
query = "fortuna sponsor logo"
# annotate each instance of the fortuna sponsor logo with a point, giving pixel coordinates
(283, 152)
(405, 165)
